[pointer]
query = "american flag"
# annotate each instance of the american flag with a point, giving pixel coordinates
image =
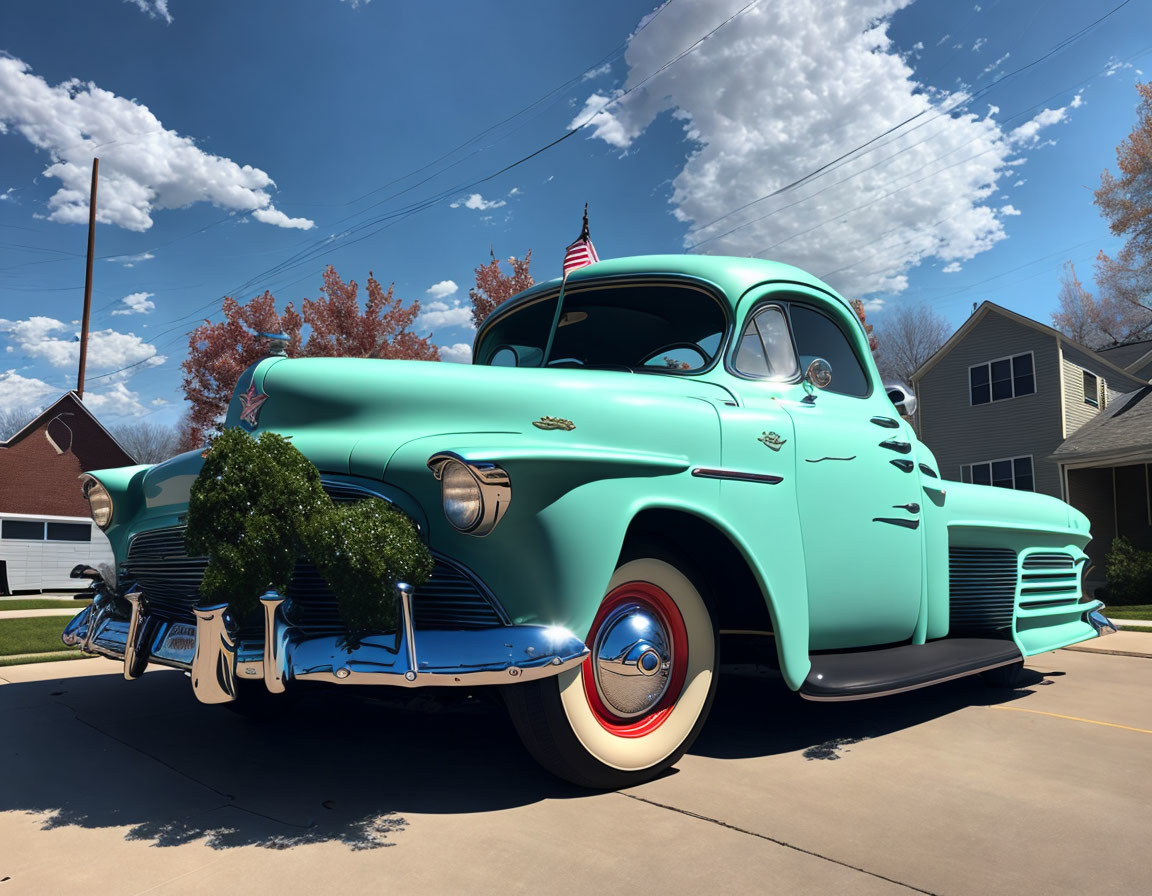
(581, 252)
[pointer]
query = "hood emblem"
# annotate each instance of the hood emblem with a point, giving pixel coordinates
(772, 440)
(250, 404)
(554, 423)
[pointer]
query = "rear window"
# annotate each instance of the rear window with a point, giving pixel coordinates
(661, 328)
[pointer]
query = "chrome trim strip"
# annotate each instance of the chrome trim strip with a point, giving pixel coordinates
(905, 524)
(736, 475)
(912, 687)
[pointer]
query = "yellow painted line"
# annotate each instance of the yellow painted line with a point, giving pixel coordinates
(1057, 715)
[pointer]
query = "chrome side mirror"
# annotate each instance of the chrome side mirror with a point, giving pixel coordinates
(819, 373)
(902, 397)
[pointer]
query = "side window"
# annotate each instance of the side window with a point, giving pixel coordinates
(765, 347)
(818, 336)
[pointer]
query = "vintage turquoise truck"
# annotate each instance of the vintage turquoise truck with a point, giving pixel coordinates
(658, 453)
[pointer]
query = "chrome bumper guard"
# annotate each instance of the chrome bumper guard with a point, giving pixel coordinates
(211, 653)
(1100, 623)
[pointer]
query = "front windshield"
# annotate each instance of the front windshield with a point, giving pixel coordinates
(666, 328)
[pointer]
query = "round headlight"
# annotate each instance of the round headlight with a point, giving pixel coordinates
(99, 503)
(463, 503)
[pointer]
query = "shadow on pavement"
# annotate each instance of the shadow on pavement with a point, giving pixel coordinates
(754, 716)
(100, 752)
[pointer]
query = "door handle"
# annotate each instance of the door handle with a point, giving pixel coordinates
(911, 508)
(886, 422)
(904, 464)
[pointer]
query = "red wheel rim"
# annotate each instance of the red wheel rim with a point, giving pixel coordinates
(657, 601)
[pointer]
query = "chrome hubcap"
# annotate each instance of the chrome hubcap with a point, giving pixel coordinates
(633, 660)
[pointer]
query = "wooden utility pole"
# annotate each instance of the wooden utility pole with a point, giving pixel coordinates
(88, 279)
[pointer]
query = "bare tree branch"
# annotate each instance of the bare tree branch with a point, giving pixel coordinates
(906, 337)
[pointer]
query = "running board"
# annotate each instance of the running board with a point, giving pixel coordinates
(861, 674)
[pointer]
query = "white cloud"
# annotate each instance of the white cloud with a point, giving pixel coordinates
(478, 203)
(922, 193)
(442, 290)
(156, 9)
(613, 129)
(515, 191)
(159, 402)
(1020, 182)
(1115, 65)
(944, 38)
(1028, 133)
(979, 43)
(435, 315)
(137, 303)
(107, 349)
(597, 72)
(951, 268)
(995, 65)
(117, 401)
(7, 196)
(278, 219)
(143, 165)
(18, 391)
(460, 353)
(1077, 101)
(130, 261)
(871, 306)
(1009, 210)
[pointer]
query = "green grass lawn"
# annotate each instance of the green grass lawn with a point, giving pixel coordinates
(1139, 611)
(40, 634)
(42, 603)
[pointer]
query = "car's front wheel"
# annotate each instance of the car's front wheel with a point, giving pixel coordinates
(634, 707)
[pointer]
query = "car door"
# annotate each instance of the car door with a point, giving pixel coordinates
(857, 487)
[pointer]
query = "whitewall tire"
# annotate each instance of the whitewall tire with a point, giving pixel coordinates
(637, 703)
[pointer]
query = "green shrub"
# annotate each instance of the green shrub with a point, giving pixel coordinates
(1128, 573)
(258, 505)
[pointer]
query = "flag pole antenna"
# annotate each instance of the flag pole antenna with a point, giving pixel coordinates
(88, 279)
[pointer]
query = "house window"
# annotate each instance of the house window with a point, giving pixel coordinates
(22, 530)
(1091, 389)
(1001, 379)
(1009, 472)
(69, 531)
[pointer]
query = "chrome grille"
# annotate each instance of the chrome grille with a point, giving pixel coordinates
(982, 590)
(169, 578)
(1049, 579)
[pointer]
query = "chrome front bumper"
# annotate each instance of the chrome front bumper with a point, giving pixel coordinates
(211, 653)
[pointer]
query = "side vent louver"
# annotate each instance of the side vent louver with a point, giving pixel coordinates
(982, 590)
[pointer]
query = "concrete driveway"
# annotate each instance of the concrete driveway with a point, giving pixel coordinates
(133, 787)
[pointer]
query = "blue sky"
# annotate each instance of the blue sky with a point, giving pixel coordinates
(236, 136)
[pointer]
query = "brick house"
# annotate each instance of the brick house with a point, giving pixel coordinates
(45, 522)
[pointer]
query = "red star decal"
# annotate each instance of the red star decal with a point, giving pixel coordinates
(250, 403)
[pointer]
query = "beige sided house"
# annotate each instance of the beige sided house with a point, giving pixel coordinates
(1005, 397)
